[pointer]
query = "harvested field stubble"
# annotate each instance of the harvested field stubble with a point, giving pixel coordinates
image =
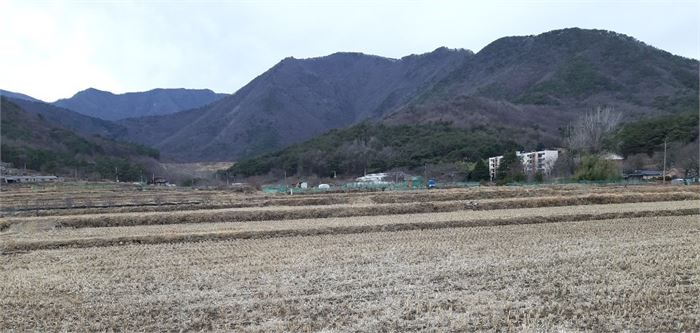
(169, 206)
(327, 211)
(522, 192)
(54, 203)
(636, 274)
(153, 234)
(546, 258)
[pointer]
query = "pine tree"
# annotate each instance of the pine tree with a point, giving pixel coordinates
(480, 172)
(510, 169)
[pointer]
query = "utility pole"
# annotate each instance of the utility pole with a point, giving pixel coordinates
(116, 174)
(664, 173)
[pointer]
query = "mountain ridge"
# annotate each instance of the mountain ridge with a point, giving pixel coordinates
(540, 82)
(300, 98)
(71, 120)
(536, 84)
(16, 95)
(110, 106)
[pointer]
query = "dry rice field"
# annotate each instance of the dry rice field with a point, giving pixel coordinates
(549, 258)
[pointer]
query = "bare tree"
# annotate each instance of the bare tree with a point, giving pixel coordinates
(686, 157)
(588, 132)
(564, 167)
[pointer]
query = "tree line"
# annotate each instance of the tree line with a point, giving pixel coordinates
(370, 147)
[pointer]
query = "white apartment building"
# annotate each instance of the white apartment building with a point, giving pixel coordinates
(533, 162)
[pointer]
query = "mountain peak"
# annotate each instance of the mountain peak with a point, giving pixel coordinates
(344, 55)
(571, 38)
(444, 49)
(92, 91)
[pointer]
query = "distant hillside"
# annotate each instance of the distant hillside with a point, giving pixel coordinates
(647, 135)
(81, 124)
(375, 147)
(32, 140)
(109, 106)
(548, 79)
(539, 83)
(10, 94)
(295, 101)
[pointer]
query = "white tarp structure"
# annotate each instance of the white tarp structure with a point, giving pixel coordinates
(372, 178)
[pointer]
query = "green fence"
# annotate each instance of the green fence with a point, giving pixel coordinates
(420, 184)
(413, 184)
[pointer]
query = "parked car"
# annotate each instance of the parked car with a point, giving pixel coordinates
(432, 183)
(677, 181)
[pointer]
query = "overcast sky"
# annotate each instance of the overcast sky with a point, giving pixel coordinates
(51, 50)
